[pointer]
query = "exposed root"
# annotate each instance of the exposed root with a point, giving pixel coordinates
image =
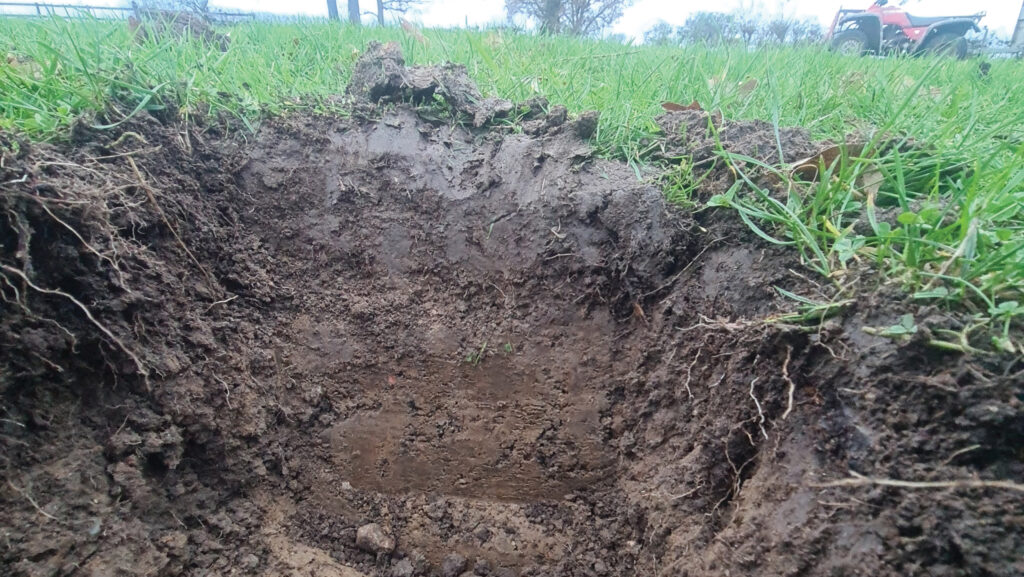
(760, 413)
(36, 168)
(82, 240)
(124, 348)
(163, 216)
(736, 473)
(227, 390)
(708, 323)
(24, 238)
(736, 326)
(125, 136)
(220, 302)
(53, 366)
(689, 372)
(792, 385)
(29, 498)
(688, 493)
(961, 452)
(858, 480)
(31, 314)
(139, 152)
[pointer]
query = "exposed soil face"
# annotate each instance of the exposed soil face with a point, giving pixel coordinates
(510, 356)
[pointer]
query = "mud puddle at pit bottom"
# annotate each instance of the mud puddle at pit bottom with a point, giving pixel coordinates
(483, 456)
(492, 431)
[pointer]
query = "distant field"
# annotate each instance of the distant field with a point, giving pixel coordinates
(958, 185)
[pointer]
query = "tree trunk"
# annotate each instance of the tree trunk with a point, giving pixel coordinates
(353, 11)
(1018, 32)
(552, 13)
(332, 9)
(380, 12)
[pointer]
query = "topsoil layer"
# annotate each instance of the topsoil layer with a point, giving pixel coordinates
(512, 358)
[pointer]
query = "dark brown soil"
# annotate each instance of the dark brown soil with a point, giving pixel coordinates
(513, 357)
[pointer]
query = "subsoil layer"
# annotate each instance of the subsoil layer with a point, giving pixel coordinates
(397, 344)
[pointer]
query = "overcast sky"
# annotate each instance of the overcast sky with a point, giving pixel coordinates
(1002, 14)
(645, 13)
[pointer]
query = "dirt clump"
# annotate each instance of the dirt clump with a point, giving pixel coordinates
(381, 76)
(373, 539)
(405, 347)
(718, 151)
(149, 24)
(698, 134)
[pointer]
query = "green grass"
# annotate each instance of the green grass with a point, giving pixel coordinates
(949, 144)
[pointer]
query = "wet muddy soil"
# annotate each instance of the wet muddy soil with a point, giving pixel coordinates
(411, 343)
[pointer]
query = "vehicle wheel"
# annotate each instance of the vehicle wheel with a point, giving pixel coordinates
(850, 42)
(948, 44)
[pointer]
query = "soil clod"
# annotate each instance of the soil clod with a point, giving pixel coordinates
(380, 75)
(453, 565)
(373, 539)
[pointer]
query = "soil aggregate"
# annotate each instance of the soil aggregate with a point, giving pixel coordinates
(441, 337)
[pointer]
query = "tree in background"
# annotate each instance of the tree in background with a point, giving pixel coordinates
(332, 9)
(661, 34)
(591, 17)
(807, 31)
(709, 28)
(783, 30)
(197, 7)
(748, 18)
(745, 27)
(353, 11)
(575, 17)
(395, 6)
(778, 29)
(551, 14)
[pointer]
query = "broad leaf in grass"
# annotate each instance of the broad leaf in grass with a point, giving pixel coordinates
(905, 327)
(909, 218)
(846, 247)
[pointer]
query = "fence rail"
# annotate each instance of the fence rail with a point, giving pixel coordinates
(45, 10)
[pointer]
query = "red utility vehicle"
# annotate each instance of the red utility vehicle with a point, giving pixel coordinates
(883, 29)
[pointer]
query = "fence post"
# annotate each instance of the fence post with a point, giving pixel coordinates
(81, 10)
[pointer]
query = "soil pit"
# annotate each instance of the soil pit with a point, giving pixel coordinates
(468, 319)
(401, 345)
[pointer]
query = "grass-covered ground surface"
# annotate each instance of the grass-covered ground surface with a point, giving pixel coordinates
(945, 140)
